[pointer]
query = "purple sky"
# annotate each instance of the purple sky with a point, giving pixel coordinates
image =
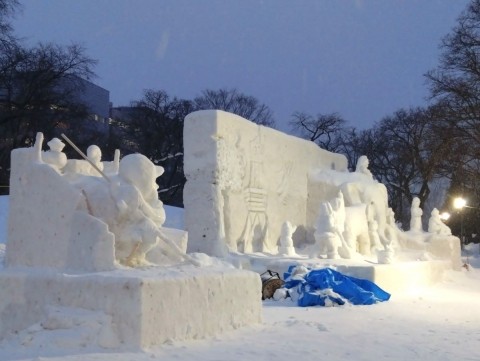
(361, 58)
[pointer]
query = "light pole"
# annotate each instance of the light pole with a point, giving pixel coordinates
(459, 203)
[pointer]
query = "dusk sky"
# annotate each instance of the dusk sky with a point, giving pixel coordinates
(363, 59)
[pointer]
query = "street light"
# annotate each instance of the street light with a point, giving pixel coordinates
(460, 203)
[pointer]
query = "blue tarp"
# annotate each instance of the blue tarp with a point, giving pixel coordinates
(327, 286)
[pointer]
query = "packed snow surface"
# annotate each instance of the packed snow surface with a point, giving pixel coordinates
(434, 323)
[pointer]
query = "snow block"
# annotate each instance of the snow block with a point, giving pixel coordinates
(147, 306)
(244, 181)
(45, 229)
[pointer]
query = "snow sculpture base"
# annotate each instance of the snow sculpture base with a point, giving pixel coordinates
(146, 307)
(393, 278)
(412, 268)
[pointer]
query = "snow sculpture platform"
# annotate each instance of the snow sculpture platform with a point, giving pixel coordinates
(394, 278)
(142, 307)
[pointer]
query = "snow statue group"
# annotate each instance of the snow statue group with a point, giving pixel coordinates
(89, 235)
(252, 189)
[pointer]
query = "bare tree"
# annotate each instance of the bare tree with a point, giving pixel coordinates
(454, 84)
(8, 8)
(354, 143)
(153, 126)
(238, 103)
(40, 91)
(409, 152)
(324, 129)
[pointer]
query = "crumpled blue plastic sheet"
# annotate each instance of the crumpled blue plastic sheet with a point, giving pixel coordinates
(327, 287)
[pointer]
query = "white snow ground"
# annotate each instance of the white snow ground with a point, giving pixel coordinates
(441, 322)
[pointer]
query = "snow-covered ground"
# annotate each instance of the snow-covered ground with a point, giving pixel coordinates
(441, 322)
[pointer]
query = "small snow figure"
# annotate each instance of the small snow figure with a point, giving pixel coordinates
(436, 225)
(386, 256)
(286, 241)
(338, 206)
(362, 166)
(416, 216)
(375, 243)
(326, 233)
(94, 155)
(55, 157)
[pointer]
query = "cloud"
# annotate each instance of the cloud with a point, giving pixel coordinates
(162, 45)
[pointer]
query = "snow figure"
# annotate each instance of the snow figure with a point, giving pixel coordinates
(391, 231)
(416, 216)
(55, 157)
(94, 154)
(129, 204)
(386, 256)
(366, 191)
(326, 233)
(362, 166)
(436, 225)
(338, 206)
(286, 241)
(255, 233)
(140, 211)
(375, 243)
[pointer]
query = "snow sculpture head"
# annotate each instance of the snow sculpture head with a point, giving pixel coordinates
(56, 145)
(140, 172)
(362, 166)
(94, 154)
(54, 156)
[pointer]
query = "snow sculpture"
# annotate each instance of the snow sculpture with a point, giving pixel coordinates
(374, 237)
(338, 207)
(286, 242)
(416, 216)
(72, 231)
(362, 166)
(244, 181)
(121, 210)
(327, 238)
(436, 225)
(94, 154)
(129, 205)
